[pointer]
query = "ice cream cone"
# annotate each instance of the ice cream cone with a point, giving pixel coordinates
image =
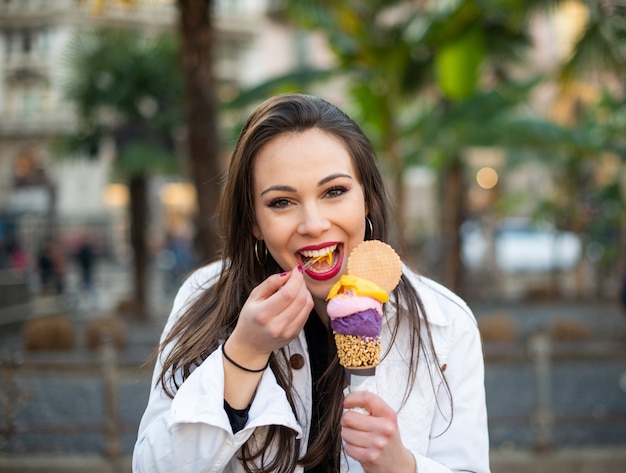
(374, 270)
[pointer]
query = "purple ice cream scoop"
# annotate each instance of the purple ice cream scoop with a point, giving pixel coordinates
(363, 324)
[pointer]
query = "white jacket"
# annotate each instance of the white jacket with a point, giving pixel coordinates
(192, 433)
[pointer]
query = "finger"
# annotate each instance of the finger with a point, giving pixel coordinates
(303, 306)
(366, 437)
(369, 401)
(366, 430)
(293, 293)
(367, 457)
(270, 286)
(356, 438)
(365, 446)
(360, 454)
(272, 297)
(296, 303)
(294, 282)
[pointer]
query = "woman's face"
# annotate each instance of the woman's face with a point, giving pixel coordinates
(309, 203)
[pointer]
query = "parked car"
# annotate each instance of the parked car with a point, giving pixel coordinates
(520, 246)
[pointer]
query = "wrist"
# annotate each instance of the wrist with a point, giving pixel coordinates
(249, 364)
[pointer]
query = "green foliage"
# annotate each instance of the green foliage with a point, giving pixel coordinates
(427, 80)
(602, 44)
(594, 206)
(85, 142)
(127, 86)
(299, 80)
(138, 156)
(608, 119)
(458, 64)
(488, 118)
(393, 52)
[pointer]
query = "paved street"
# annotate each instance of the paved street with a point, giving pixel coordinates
(58, 401)
(589, 407)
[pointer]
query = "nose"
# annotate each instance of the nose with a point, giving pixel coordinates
(313, 221)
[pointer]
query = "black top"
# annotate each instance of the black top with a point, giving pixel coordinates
(237, 417)
(317, 338)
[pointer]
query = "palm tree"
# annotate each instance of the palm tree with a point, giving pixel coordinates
(592, 198)
(197, 43)
(599, 49)
(126, 86)
(597, 59)
(412, 64)
(197, 36)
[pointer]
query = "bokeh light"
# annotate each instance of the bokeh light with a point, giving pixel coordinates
(487, 177)
(116, 195)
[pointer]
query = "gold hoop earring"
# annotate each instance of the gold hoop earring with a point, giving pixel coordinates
(256, 253)
(370, 226)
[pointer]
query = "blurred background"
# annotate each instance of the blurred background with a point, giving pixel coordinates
(500, 128)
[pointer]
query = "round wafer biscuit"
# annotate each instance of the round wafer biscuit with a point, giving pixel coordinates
(376, 261)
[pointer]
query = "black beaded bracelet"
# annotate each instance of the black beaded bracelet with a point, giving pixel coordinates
(242, 367)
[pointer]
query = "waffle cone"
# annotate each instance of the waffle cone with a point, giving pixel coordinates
(357, 352)
(376, 261)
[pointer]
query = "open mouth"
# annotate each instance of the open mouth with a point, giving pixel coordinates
(320, 261)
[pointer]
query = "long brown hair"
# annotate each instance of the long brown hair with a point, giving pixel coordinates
(213, 315)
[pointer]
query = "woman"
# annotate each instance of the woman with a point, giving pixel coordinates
(247, 377)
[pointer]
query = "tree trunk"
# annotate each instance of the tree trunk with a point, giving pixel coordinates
(138, 241)
(452, 217)
(203, 146)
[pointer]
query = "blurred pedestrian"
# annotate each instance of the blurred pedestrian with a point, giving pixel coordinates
(52, 267)
(85, 257)
(19, 261)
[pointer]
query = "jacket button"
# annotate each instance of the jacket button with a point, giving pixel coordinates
(296, 361)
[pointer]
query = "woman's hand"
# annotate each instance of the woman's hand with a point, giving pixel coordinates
(374, 439)
(273, 315)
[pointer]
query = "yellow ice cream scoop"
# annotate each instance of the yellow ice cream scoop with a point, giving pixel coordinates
(357, 286)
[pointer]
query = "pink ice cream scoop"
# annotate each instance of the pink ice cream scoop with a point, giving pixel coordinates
(355, 305)
(343, 306)
(366, 323)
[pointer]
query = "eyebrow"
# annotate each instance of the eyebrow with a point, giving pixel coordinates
(323, 181)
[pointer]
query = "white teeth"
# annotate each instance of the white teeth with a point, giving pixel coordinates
(318, 253)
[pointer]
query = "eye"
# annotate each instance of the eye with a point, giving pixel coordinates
(336, 191)
(279, 203)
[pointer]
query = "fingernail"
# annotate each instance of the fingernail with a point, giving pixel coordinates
(300, 267)
(284, 274)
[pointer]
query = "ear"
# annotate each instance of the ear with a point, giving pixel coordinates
(257, 232)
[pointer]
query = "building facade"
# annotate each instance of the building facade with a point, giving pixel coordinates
(38, 192)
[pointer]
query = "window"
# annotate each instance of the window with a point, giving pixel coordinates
(27, 41)
(28, 170)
